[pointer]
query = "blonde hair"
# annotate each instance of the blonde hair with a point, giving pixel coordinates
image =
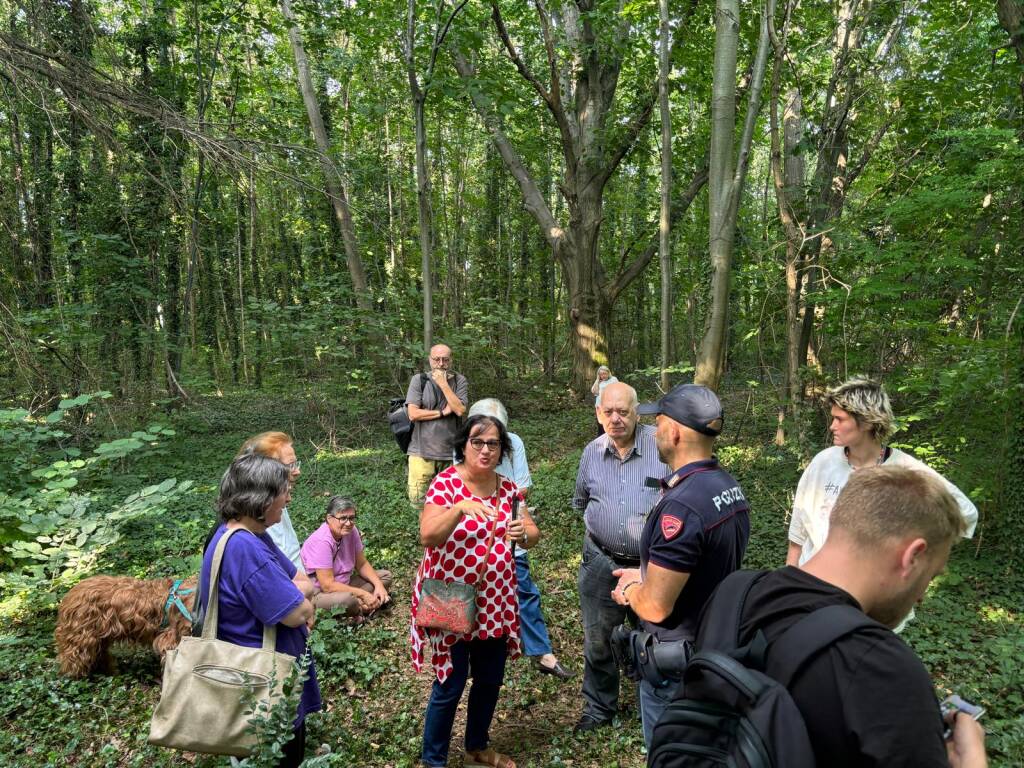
(266, 444)
(880, 503)
(867, 402)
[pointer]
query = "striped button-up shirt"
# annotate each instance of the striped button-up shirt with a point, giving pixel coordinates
(613, 491)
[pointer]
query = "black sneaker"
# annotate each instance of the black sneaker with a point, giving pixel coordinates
(590, 723)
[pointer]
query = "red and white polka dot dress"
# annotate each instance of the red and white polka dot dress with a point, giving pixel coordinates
(458, 559)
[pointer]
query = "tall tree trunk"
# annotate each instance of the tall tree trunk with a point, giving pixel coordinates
(787, 171)
(339, 200)
(664, 223)
(578, 90)
(1011, 18)
(726, 180)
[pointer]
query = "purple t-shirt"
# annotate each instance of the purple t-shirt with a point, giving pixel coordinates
(256, 589)
(322, 550)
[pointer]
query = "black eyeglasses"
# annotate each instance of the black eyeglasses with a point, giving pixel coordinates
(350, 519)
(480, 444)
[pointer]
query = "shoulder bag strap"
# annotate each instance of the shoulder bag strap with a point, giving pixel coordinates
(812, 634)
(720, 628)
(483, 563)
(212, 607)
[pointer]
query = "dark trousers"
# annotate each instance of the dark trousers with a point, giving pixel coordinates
(601, 615)
(485, 660)
(295, 750)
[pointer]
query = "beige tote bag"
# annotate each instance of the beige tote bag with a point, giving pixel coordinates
(200, 707)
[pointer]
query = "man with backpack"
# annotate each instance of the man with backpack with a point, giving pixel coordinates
(800, 664)
(435, 403)
(694, 537)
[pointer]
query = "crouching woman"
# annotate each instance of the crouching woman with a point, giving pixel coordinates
(333, 557)
(255, 586)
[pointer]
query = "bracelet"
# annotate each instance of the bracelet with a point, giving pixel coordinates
(627, 586)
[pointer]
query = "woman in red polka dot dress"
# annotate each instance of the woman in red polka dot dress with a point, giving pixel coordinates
(463, 504)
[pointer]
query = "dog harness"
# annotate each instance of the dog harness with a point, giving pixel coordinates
(174, 598)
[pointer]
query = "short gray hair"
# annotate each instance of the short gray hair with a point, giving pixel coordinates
(489, 406)
(338, 504)
(867, 402)
(249, 487)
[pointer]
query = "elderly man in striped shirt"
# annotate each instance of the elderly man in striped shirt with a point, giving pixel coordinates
(614, 492)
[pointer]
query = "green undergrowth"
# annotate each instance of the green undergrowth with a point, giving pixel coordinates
(969, 631)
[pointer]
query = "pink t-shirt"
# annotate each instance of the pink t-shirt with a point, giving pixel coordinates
(322, 550)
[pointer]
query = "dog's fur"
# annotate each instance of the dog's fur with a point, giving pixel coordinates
(103, 610)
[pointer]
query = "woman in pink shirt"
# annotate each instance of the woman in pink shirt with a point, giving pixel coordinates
(333, 557)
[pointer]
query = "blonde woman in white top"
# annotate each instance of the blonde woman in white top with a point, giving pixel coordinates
(862, 421)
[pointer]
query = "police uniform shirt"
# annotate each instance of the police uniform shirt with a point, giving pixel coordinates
(700, 527)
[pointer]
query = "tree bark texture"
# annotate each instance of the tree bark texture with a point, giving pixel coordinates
(664, 219)
(726, 179)
(579, 96)
(335, 190)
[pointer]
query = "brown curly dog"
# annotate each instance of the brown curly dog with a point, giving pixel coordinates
(103, 610)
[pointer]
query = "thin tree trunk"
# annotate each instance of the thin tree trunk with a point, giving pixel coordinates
(664, 222)
(336, 192)
(726, 181)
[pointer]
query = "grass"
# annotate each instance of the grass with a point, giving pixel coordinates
(969, 632)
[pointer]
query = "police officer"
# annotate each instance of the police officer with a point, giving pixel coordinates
(694, 537)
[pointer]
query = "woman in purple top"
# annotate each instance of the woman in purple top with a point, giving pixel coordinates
(255, 586)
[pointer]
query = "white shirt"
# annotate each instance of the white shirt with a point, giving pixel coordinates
(826, 476)
(823, 480)
(284, 536)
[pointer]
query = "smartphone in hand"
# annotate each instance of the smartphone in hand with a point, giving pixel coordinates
(953, 704)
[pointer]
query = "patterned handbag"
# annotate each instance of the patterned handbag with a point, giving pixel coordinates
(451, 606)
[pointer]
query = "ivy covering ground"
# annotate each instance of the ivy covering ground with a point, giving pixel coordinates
(969, 631)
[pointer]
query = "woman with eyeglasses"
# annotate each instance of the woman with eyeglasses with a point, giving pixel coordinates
(333, 558)
(464, 504)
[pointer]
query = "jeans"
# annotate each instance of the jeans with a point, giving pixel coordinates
(601, 615)
(532, 630)
(653, 702)
(486, 660)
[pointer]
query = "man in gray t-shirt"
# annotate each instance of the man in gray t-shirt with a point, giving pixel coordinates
(436, 403)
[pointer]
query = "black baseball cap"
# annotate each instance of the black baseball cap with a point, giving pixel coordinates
(691, 404)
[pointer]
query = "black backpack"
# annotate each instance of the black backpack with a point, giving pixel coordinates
(398, 419)
(732, 707)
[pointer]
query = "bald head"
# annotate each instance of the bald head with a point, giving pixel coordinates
(617, 413)
(618, 391)
(440, 357)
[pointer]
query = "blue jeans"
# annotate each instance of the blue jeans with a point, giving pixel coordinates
(532, 630)
(653, 703)
(486, 660)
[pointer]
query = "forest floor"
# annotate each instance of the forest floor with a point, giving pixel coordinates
(969, 631)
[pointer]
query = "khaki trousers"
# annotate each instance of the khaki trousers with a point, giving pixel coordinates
(421, 472)
(346, 602)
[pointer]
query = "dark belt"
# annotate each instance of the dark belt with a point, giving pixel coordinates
(623, 560)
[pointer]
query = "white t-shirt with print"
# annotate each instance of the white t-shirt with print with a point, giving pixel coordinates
(826, 476)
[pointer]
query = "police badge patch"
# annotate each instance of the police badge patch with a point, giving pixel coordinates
(670, 526)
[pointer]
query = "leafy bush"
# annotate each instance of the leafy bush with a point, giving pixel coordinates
(51, 526)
